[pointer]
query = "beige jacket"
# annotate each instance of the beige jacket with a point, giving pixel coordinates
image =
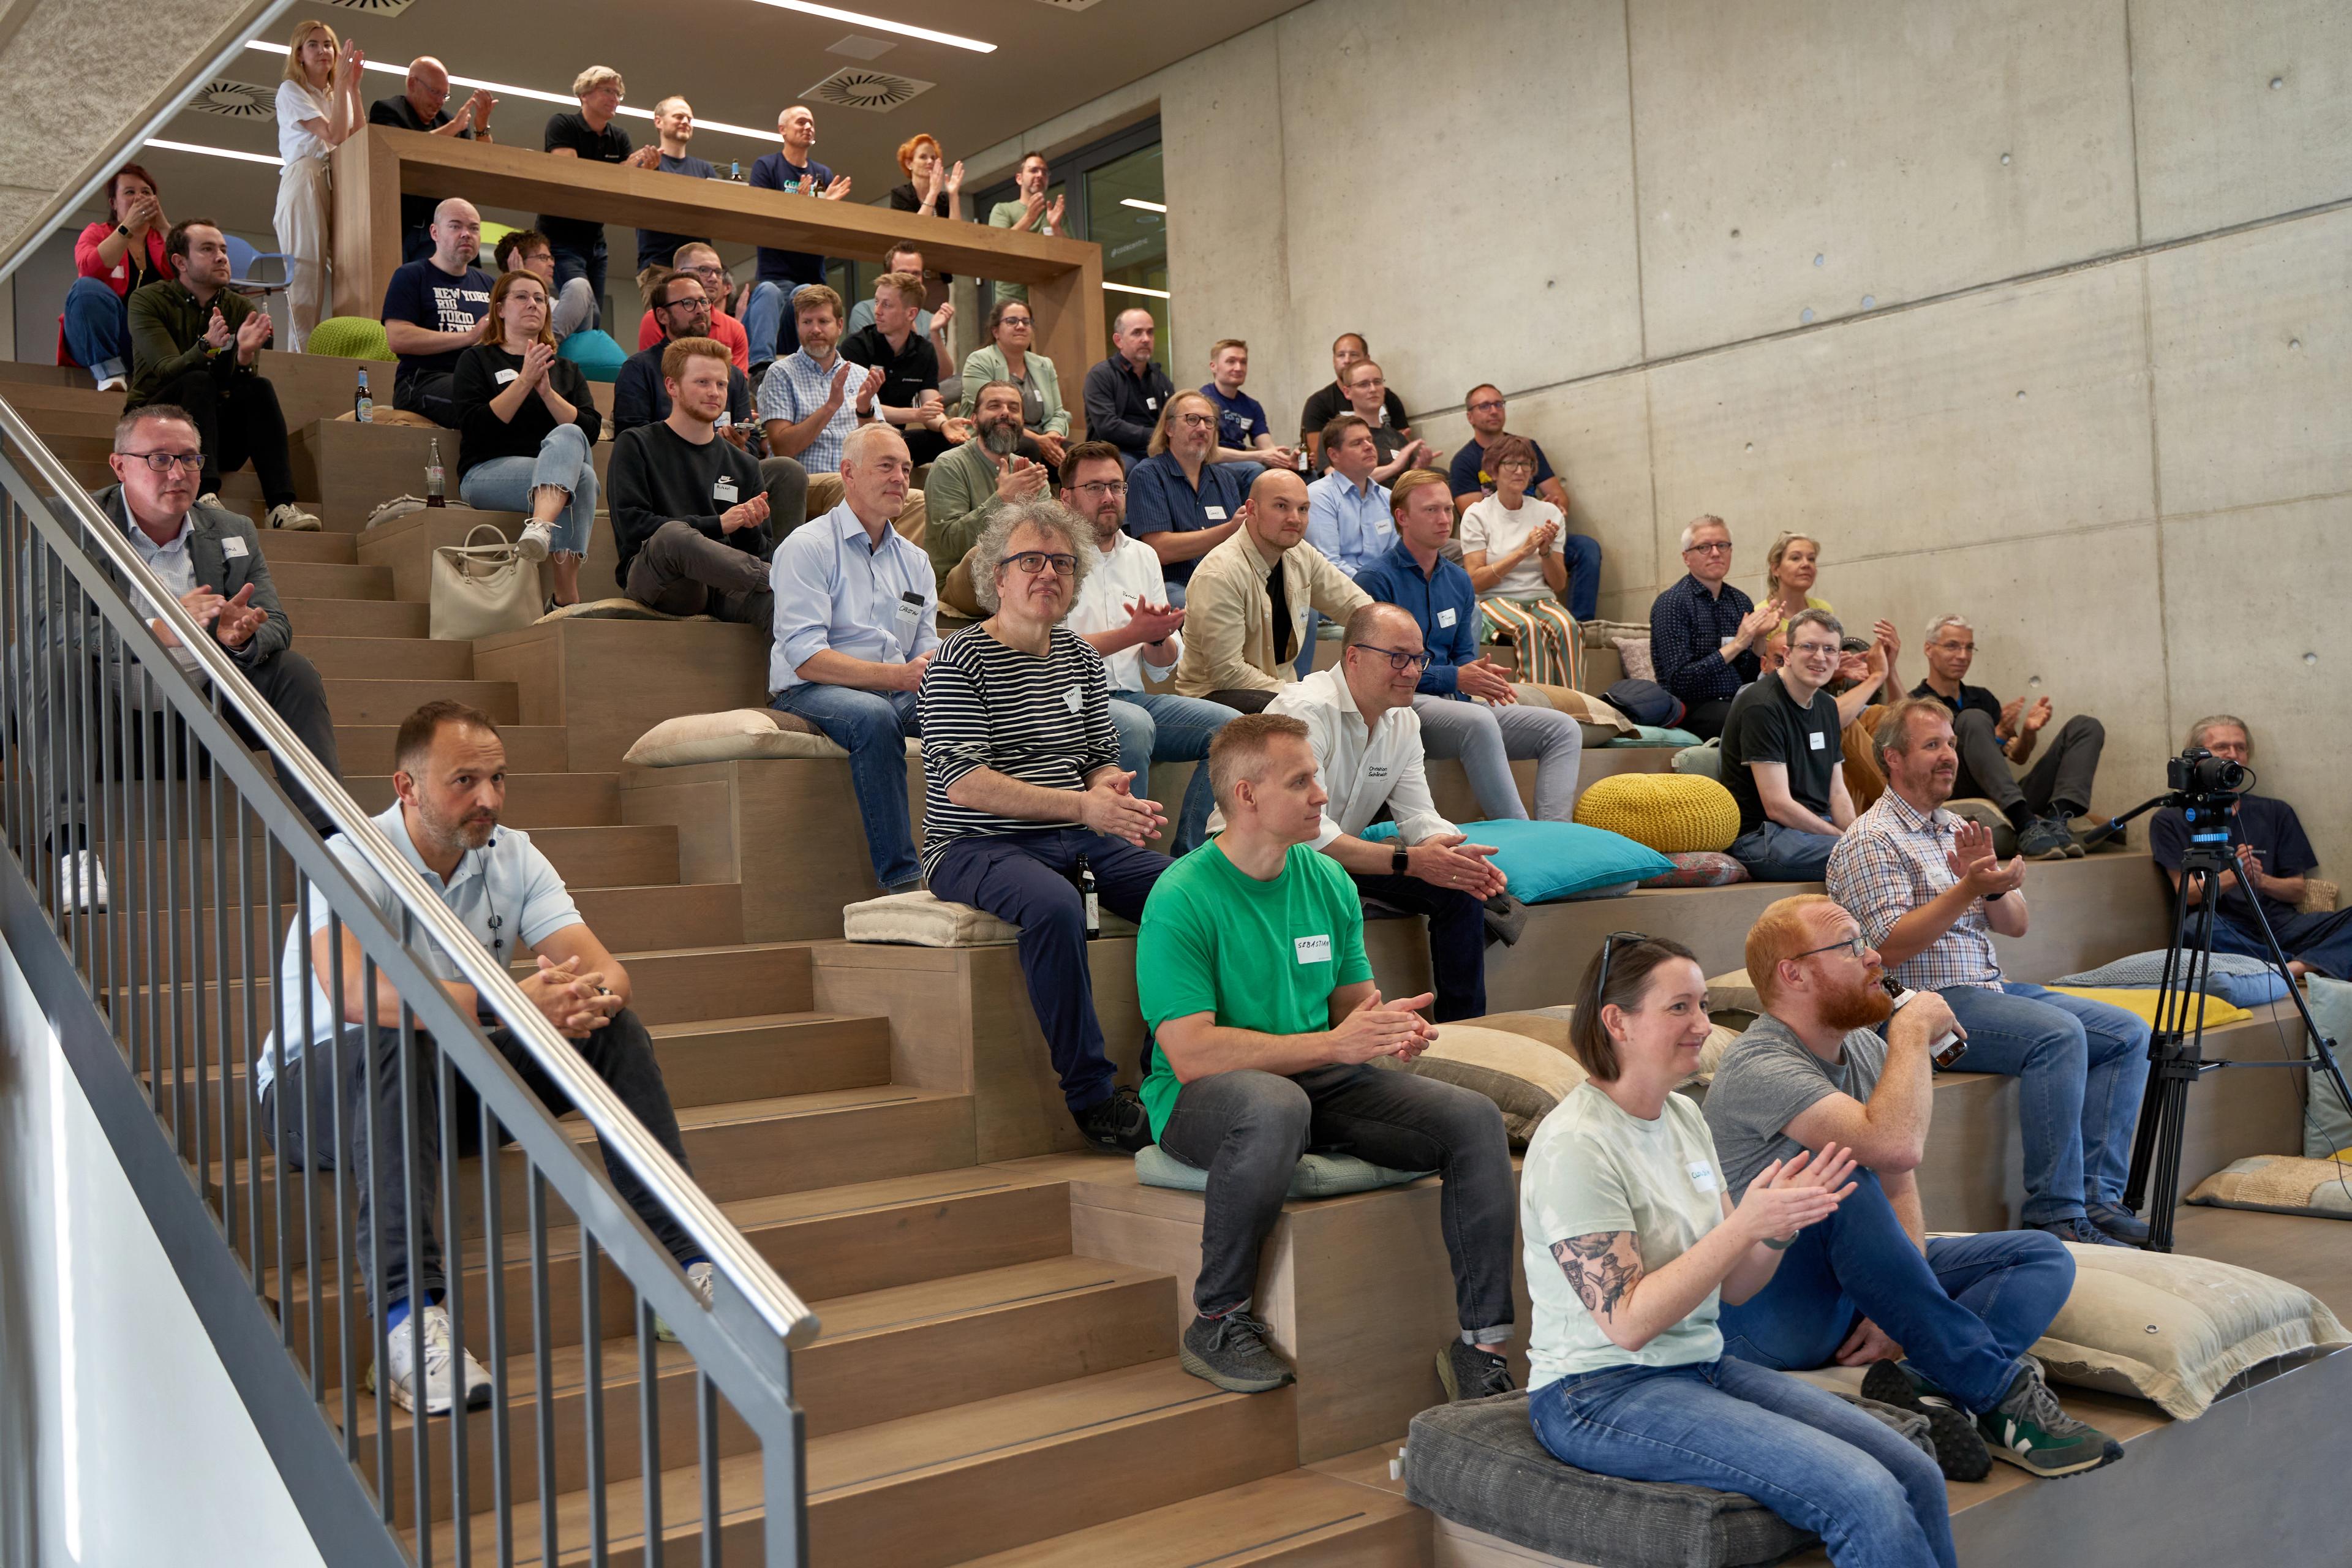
(1229, 621)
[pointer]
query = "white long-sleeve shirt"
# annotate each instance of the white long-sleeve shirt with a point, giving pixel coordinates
(1130, 572)
(1361, 770)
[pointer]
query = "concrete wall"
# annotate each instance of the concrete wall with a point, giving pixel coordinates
(2040, 311)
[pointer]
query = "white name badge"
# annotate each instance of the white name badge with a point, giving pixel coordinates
(1151, 403)
(723, 490)
(909, 617)
(1446, 617)
(1702, 1175)
(504, 376)
(1213, 513)
(1074, 699)
(1814, 740)
(232, 546)
(1313, 948)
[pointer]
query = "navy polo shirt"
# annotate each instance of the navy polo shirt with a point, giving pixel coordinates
(1160, 498)
(1444, 604)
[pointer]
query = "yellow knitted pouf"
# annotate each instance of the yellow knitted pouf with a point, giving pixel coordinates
(1673, 814)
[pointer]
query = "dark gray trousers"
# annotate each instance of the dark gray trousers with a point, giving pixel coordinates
(681, 570)
(2059, 780)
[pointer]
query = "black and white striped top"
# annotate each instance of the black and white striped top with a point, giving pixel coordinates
(1045, 722)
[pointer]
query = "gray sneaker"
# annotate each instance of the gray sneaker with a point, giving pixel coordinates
(2046, 838)
(1232, 1352)
(2081, 1232)
(1960, 1451)
(1472, 1372)
(2030, 1429)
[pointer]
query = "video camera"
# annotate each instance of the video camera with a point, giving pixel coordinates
(2201, 775)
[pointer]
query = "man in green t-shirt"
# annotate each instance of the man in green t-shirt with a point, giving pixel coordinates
(1266, 1025)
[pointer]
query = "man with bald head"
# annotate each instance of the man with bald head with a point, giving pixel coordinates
(436, 309)
(1125, 392)
(768, 316)
(1246, 608)
(423, 106)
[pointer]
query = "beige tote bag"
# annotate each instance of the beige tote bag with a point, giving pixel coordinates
(481, 590)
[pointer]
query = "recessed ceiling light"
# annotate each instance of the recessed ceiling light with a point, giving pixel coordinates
(215, 152)
(1134, 288)
(1140, 204)
(903, 30)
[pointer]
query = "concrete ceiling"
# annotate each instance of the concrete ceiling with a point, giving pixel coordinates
(738, 61)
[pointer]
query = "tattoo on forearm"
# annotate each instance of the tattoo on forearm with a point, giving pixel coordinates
(1600, 1270)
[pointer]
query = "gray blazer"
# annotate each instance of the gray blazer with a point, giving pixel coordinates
(215, 568)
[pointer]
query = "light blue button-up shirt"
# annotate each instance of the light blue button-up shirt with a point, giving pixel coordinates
(1352, 528)
(835, 590)
(175, 567)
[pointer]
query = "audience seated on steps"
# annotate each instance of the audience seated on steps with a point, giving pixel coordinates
(1781, 759)
(527, 431)
(932, 326)
(699, 261)
(856, 624)
(1791, 568)
(436, 309)
(2273, 855)
(1468, 708)
(422, 105)
(1123, 612)
(113, 258)
(768, 313)
(908, 396)
(1331, 401)
(1513, 548)
(211, 559)
(1024, 798)
(1942, 1324)
(1996, 737)
(681, 304)
(1251, 973)
(1010, 355)
(1127, 392)
(1182, 502)
(591, 134)
(1347, 507)
(527, 250)
(1472, 477)
(1929, 893)
(674, 131)
(194, 344)
(997, 467)
(1633, 1250)
(1865, 683)
(1704, 632)
(1366, 389)
(689, 518)
(450, 777)
(811, 401)
(1241, 418)
(1366, 737)
(1246, 606)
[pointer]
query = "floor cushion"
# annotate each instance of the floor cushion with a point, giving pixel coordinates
(2327, 1119)
(2134, 970)
(1671, 813)
(1634, 655)
(1598, 722)
(352, 337)
(2142, 1003)
(1699, 868)
(1550, 862)
(925, 919)
(1657, 735)
(1732, 990)
(740, 734)
(1524, 1077)
(1317, 1175)
(597, 355)
(1703, 761)
(1477, 1464)
(2281, 1184)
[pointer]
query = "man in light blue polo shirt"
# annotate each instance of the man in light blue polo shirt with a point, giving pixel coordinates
(1347, 510)
(857, 611)
(450, 774)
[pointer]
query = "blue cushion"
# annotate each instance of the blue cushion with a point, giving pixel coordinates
(2247, 990)
(1317, 1176)
(1653, 735)
(1549, 862)
(597, 355)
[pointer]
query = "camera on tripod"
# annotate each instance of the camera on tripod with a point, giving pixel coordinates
(2202, 776)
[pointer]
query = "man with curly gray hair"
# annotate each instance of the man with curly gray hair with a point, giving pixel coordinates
(1024, 804)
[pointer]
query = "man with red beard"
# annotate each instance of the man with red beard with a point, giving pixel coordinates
(1942, 1325)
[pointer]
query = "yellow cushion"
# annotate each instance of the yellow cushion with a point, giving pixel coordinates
(2142, 1002)
(1673, 814)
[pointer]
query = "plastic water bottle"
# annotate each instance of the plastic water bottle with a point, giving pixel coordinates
(1093, 903)
(735, 170)
(436, 484)
(364, 405)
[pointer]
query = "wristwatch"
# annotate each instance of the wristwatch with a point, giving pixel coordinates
(1398, 859)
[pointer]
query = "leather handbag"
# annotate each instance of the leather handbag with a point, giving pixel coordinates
(481, 590)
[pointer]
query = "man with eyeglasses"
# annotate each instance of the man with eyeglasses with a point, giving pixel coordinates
(1183, 502)
(701, 263)
(1331, 402)
(996, 467)
(1705, 633)
(1246, 606)
(1473, 481)
(1930, 894)
(1393, 450)
(1996, 737)
(681, 308)
(1943, 1325)
(1782, 756)
(210, 560)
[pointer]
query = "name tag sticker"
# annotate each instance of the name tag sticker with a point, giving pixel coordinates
(1446, 617)
(1213, 513)
(1074, 699)
(1702, 1175)
(504, 376)
(1814, 740)
(1151, 403)
(232, 546)
(1313, 948)
(723, 490)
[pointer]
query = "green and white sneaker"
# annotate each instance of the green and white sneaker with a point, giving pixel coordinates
(1960, 1450)
(2030, 1429)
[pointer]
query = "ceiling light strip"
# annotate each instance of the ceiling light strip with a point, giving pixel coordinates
(903, 29)
(1134, 288)
(1140, 204)
(215, 152)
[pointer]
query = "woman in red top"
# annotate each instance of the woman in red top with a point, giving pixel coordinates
(115, 255)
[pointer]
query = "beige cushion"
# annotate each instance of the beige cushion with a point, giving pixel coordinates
(2282, 1184)
(2318, 896)
(1633, 654)
(1524, 1077)
(2176, 1329)
(740, 734)
(1732, 992)
(925, 919)
(1600, 722)
(1551, 1024)
(618, 608)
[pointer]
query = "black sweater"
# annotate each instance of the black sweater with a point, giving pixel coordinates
(482, 435)
(656, 477)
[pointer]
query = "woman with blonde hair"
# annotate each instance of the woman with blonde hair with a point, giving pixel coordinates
(1791, 568)
(1511, 548)
(318, 108)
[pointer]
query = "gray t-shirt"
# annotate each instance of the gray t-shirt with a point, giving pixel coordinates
(1767, 1079)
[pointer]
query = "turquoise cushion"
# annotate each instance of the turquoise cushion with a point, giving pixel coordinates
(1653, 735)
(597, 355)
(1549, 862)
(1317, 1175)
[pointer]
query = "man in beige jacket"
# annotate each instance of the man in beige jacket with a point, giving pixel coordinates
(1245, 610)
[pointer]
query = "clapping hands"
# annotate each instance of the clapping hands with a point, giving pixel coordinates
(1973, 860)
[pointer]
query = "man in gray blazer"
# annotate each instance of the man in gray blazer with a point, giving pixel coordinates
(210, 559)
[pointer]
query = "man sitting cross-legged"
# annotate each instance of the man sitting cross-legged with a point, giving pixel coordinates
(1265, 1025)
(689, 515)
(1996, 737)
(1023, 789)
(450, 774)
(1943, 1324)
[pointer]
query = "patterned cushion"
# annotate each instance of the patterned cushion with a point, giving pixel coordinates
(1671, 813)
(1316, 1175)
(1700, 869)
(2282, 1183)
(352, 337)
(1633, 654)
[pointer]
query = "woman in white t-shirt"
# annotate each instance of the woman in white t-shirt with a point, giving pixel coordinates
(1510, 545)
(1632, 1245)
(318, 108)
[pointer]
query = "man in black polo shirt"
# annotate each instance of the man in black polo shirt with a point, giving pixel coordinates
(1993, 735)
(422, 106)
(910, 398)
(1125, 392)
(1781, 756)
(1327, 404)
(591, 134)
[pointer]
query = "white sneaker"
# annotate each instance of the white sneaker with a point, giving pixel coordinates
(293, 519)
(82, 881)
(114, 384)
(535, 539)
(440, 1353)
(699, 1277)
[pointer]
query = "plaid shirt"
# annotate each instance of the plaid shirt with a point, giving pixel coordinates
(1892, 861)
(796, 387)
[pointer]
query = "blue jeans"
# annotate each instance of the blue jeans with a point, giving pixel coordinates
(97, 328)
(565, 461)
(1963, 1314)
(1774, 852)
(873, 727)
(1176, 592)
(1484, 739)
(575, 261)
(2080, 1066)
(1161, 727)
(2321, 939)
(1817, 1461)
(1584, 556)
(768, 321)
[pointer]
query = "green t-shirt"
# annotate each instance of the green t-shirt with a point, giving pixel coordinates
(1264, 956)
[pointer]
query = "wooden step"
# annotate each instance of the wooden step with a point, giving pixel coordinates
(534, 801)
(654, 916)
(721, 1060)
(309, 580)
(1300, 1519)
(284, 547)
(391, 701)
(354, 617)
(351, 465)
(690, 985)
(406, 544)
(365, 749)
(311, 387)
(357, 658)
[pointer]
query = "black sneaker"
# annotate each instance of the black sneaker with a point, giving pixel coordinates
(1960, 1450)
(2031, 1430)
(1232, 1352)
(2080, 1231)
(2046, 838)
(2118, 1222)
(1118, 1125)
(1472, 1372)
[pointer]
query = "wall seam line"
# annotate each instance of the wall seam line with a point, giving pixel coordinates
(2131, 129)
(1633, 180)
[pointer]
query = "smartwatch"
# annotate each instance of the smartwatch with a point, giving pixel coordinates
(1398, 859)
(124, 229)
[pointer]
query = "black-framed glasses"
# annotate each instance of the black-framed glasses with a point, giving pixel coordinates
(1483, 408)
(1101, 488)
(1032, 562)
(164, 462)
(1197, 421)
(1399, 660)
(1709, 547)
(1608, 946)
(1854, 944)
